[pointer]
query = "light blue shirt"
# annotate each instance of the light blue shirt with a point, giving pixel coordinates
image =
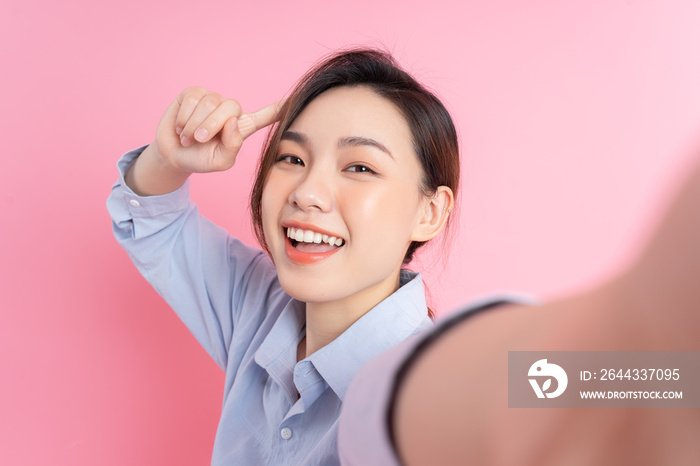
(228, 295)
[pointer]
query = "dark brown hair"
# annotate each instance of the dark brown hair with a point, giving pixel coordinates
(434, 135)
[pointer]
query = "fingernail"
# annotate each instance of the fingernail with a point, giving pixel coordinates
(185, 141)
(201, 135)
(234, 125)
(178, 130)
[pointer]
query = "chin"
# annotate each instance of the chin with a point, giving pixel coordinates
(310, 290)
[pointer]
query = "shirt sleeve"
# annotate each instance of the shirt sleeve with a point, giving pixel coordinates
(208, 277)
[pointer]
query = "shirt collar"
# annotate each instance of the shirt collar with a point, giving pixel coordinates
(283, 334)
(390, 322)
(400, 315)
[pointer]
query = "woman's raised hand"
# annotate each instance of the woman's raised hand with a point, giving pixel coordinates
(203, 132)
(199, 132)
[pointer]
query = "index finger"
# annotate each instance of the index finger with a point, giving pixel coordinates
(249, 123)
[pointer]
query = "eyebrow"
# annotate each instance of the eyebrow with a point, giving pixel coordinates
(295, 137)
(354, 141)
(350, 141)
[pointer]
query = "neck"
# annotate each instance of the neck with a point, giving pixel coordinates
(326, 321)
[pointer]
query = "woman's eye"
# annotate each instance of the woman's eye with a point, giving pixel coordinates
(291, 159)
(360, 169)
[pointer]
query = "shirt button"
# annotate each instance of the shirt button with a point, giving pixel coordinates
(286, 433)
(134, 203)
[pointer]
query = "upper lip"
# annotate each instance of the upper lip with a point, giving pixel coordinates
(308, 226)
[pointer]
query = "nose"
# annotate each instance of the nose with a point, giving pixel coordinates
(313, 192)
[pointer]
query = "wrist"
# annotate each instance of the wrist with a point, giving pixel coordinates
(152, 174)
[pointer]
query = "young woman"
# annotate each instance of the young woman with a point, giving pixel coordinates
(360, 171)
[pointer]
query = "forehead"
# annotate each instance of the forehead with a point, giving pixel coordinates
(355, 111)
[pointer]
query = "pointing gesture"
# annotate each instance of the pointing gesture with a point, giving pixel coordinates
(199, 132)
(250, 123)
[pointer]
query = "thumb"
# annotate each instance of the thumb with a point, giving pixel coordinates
(249, 123)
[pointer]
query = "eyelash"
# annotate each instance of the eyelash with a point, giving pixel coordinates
(365, 168)
(356, 168)
(291, 159)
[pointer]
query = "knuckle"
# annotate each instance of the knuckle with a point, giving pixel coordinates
(195, 90)
(234, 106)
(192, 96)
(209, 102)
(191, 93)
(189, 102)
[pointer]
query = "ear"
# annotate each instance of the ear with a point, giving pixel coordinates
(436, 209)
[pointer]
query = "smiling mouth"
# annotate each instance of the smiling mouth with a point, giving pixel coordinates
(308, 240)
(307, 246)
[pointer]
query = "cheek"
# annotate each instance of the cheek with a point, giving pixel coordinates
(384, 219)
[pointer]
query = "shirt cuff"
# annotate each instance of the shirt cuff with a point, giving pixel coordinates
(149, 206)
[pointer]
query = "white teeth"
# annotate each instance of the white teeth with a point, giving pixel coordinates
(308, 236)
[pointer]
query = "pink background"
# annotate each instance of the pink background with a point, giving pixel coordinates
(575, 119)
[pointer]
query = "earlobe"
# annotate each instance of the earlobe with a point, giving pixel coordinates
(436, 210)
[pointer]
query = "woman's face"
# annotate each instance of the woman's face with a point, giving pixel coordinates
(345, 169)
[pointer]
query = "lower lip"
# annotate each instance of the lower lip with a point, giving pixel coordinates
(305, 258)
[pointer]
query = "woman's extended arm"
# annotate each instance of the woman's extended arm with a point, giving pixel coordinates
(464, 418)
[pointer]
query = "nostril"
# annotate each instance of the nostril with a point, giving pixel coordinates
(311, 196)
